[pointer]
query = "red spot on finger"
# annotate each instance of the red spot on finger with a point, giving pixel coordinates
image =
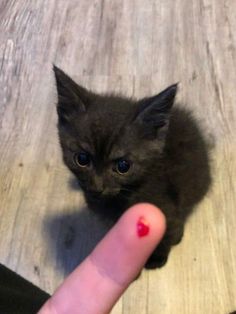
(142, 227)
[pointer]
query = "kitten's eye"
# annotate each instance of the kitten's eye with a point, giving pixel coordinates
(122, 166)
(82, 159)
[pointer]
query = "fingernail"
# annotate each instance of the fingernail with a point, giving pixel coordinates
(142, 227)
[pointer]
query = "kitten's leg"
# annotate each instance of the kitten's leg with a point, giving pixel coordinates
(159, 257)
(173, 236)
(176, 232)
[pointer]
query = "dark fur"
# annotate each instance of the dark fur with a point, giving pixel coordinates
(170, 166)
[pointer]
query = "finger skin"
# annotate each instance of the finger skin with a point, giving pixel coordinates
(96, 285)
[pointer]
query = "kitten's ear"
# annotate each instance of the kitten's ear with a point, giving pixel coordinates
(154, 112)
(71, 97)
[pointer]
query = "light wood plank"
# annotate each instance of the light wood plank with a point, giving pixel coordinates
(134, 47)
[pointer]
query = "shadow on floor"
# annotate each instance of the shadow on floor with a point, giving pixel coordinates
(71, 236)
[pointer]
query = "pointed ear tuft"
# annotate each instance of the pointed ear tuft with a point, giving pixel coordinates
(165, 99)
(155, 111)
(71, 96)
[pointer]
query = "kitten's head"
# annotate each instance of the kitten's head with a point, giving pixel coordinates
(110, 143)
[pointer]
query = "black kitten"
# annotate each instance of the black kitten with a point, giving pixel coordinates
(126, 151)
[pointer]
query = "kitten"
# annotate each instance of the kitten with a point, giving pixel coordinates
(125, 151)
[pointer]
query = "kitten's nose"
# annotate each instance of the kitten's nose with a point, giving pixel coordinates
(106, 192)
(96, 193)
(103, 192)
(98, 183)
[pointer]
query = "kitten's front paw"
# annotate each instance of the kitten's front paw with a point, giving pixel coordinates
(178, 237)
(156, 261)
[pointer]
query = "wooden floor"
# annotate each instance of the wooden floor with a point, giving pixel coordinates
(135, 47)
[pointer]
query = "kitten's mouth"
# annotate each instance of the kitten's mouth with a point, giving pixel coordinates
(102, 196)
(108, 195)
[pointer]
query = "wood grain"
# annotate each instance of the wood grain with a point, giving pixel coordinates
(134, 47)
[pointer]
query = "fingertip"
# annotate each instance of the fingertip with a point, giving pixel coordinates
(113, 265)
(152, 215)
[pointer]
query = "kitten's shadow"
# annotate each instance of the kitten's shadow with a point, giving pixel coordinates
(72, 236)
